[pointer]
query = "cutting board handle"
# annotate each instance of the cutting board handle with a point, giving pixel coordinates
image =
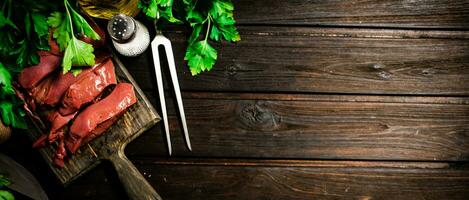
(134, 183)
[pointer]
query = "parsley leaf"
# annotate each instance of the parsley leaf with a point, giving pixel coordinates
(12, 115)
(157, 9)
(40, 24)
(42, 31)
(201, 56)
(62, 29)
(218, 14)
(9, 110)
(5, 195)
(78, 53)
(5, 21)
(26, 55)
(4, 181)
(222, 15)
(5, 82)
(83, 26)
(195, 33)
(213, 16)
(7, 41)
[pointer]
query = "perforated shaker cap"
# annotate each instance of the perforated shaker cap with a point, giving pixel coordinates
(121, 28)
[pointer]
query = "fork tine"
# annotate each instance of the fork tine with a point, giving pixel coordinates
(159, 81)
(177, 91)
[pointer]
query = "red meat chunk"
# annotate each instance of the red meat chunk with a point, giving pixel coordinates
(101, 128)
(51, 90)
(95, 118)
(88, 88)
(58, 121)
(31, 76)
(60, 152)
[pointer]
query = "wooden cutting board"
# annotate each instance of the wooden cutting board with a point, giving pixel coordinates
(110, 146)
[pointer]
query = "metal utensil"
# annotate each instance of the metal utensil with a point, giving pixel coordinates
(131, 38)
(22, 181)
(166, 43)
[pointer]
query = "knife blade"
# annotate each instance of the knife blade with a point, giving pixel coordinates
(22, 180)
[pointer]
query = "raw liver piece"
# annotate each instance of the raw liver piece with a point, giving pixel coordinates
(51, 90)
(60, 152)
(101, 128)
(57, 121)
(88, 88)
(121, 98)
(31, 76)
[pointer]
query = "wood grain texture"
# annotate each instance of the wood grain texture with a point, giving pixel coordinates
(281, 179)
(384, 13)
(231, 179)
(313, 79)
(138, 118)
(354, 61)
(315, 126)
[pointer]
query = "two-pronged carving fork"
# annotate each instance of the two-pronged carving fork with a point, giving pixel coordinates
(163, 41)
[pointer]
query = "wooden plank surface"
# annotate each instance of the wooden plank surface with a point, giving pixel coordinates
(231, 179)
(280, 179)
(383, 13)
(315, 126)
(354, 61)
(313, 79)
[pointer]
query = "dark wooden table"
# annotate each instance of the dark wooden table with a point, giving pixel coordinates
(320, 100)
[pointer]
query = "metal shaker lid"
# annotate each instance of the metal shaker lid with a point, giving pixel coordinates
(121, 28)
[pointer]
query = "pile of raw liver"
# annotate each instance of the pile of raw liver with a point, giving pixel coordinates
(77, 108)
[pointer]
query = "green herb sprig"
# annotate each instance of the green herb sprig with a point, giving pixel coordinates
(23, 31)
(77, 52)
(4, 194)
(10, 105)
(215, 16)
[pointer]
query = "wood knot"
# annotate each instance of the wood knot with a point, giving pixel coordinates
(232, 70)
(428, 72)
(384, 75)
(257, 117)
(379, 68)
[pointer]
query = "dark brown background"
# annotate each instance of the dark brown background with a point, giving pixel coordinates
(329, 99)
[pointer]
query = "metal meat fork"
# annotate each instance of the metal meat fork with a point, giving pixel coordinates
(131, 38)
(162, 40)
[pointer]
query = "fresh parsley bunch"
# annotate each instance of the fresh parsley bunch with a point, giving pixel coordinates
(214, 17)
(23, 31)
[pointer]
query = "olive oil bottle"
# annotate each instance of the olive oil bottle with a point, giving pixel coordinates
(105, 9)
